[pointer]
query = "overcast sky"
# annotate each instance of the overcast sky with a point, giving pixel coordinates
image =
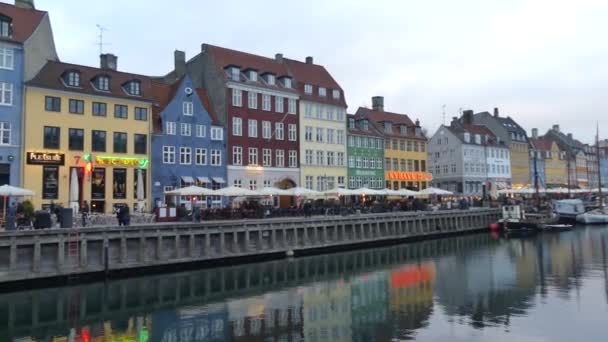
(541, 62)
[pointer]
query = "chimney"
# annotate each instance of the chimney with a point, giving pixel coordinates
(454, 121)
(27, 4)
(570, 136)
(108, 61)
(556, 128)
(467, 116)
(378, 103)
(279, 57)
(534, 133)
(496, 112)
(179, 60)
(309, 60)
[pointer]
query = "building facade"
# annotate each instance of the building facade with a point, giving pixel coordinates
(573, 156)
(515, 137)
(405, 156)
(188, 143)
(592, 165)
(322, 126)
(87, 128)
(365, 153)
(552, 159)
(26, 42)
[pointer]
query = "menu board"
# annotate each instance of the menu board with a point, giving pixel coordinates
(50, 182)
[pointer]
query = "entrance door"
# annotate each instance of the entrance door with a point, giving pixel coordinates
(286, 201)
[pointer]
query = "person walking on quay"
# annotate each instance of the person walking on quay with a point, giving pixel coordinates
(120, 216)
(84, 211)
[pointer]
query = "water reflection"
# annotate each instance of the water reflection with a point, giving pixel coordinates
(436, 290)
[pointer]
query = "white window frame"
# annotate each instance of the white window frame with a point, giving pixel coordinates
(252, 128)
(7, 58)
(291, 106)
(5, 133)
(279, 131)
(201, 131)
(266, 157)
(287, 82)
(330, 135)
(185, 129)
(271, 79)
(340, 159)
(322, 91)
(308, 88)
(237, 155)
(278, 104)
(188, 108)
(253, 75)
(279, 158)
(170, 128)
(252, 100)
(340, 137)
(217, 133)
(309, 157)
(266, 100)
(308, 133)
(319, 132)
(185, 155)
(237, 97)
(293, 132)
(293, 158)
(216, 157)
(6, 94)
(252, 156)
(200, 156)
(266, 129)
(237, 126)
(235, 74)
(336, 94)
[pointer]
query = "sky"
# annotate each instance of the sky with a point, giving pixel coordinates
(539, 61)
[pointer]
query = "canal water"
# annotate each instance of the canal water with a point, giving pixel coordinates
(553, 287)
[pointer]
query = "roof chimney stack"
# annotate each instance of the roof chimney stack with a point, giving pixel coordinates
(496, 112)
(27, 4)
(179, 60)
(570, 136)
(534, 133)
(309, 60)
(108, 61)
(378, 103)
(556, 128)
(279, 57)
(467, 116)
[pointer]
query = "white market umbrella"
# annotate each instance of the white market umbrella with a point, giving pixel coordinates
(234, 191)
(7, 191)
(367, 192)
(272, 191)
(338, 192)
(191, 190)
(140, 190)
(391, 192)
(407, 192)
(435, 191)
(74, 186)
(303, 192)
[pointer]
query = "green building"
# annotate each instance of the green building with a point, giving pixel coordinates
(365, 150)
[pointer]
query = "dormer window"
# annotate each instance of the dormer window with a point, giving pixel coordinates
(418, 131)
(322, 91)
(336, 94)
(351, 123)
(235, 74)
(73, 79)
(308, 88)
(467, 137)
(365, 125)
(388, 127)
(6, 26)
(253, 76)
(287, 82)
(103, 83)
(478, 139)
(404, 130)
(134, 88)
(270, 79)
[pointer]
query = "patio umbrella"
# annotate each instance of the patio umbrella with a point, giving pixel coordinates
(7, 191)
(435, 191)
(140, 191)
(391, 192)
(367, 192)
(303, 192)
(272, 191)
(191, 190)
(338, 192)
(74, 191)
(234, 191)
(407, 192)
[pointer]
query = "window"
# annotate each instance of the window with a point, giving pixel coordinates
(7, 58)
(293, 135)
(6, 93)
(308, 88)
(237, 127)
(5, 133)
(252, 126)
(140, 144)
(170, 128)
(278, 104)
(308, 155)
(216, 158)
(76, 106)
(266, 157)
(265, 102)
(99, 109)
(280, 158)
(6, 29)
(253, 155)
(340, 140)
(98, 141)
(331, 158)
(134, 88)
(141, 114)
(238, 183)
(308, 182)
(322, 91)
(336, 94)
(185, 155)
(237, 155)
(252, 100)
(319, 157)
(291, 106)
(188, 108)
(235, 74)
(103, 83)
(388, 127)
(51, 103)
(73, 79)
(185, 129)
(253, 75)
(395, 144)
(387, 163)
(287, 82)
(266, 130)
(351, 161)
(358, 162)
(351, 141)
(168, 154)
(319, 136)
(279, 131)
(76, 139)
(293, 158)
(308, 133)
(217, 133)
(120, 142)
(237, 98)
(51, 137)
(121, 111)
(270, 79)
(201, 131)
(253, 184)
(330, 136)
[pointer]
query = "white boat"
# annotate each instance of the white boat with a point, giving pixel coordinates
(568, 209)
(595, 216)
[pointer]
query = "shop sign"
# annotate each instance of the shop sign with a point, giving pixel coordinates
(45, 158)
(121, 161)
(409, 176)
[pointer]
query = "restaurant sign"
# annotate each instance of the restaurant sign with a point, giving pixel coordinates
(121, 161)
(409, 176)
(45, 158)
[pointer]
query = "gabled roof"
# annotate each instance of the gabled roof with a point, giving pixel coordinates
(204, 97)
(50, 76)
(25, 21)
(317, 76)
(542, 144)
(371, 131)
(377, 117)
(458, 129)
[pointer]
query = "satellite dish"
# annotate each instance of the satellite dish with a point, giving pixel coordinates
(188, 91)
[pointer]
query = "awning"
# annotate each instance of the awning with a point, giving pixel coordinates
(219, 180)
(203, 179)
(188, 179)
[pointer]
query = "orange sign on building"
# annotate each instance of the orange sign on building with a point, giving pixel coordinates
(409, 176)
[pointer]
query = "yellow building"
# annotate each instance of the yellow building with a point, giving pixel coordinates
(87, 136)
(556, 172)
(405, 147)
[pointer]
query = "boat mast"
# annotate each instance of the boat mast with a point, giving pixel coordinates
(536, 192)
(599, 168)
(568, 166)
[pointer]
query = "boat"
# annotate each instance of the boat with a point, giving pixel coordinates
(556, 227)
(514, 220)
(568, 209)
(596, 216)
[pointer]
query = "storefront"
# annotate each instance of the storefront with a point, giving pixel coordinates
(257, 177)
(408, 180)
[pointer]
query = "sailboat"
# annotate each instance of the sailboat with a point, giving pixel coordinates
(599, 215)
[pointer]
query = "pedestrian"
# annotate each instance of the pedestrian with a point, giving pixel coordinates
(11, 217)
(84, 211)
(120, 215)
(126, 217)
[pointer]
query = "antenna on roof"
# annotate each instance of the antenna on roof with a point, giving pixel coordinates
(100, 42)
(443, 114)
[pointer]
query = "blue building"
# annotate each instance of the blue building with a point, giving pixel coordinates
(26, 43)
(188, 143)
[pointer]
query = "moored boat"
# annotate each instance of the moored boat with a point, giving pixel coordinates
(596, 216)
(568, 209)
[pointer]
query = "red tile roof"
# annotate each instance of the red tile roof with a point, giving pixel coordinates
(225, 57)
(542, 144)
(372, 131)
(317, 76)
(50, 76)
(162, 93)
(202, 94)
(377, 118)
(25, 21)
(478, 129)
